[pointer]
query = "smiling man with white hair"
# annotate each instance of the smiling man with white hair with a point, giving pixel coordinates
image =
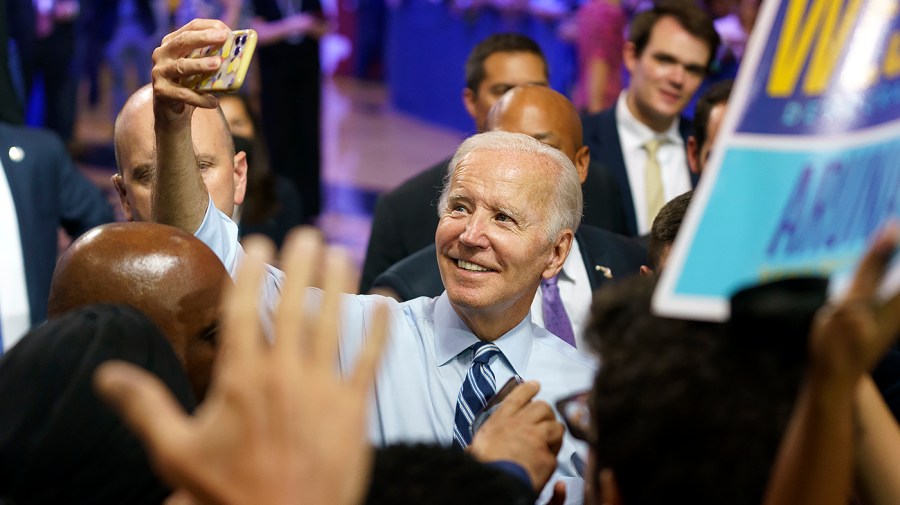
(507, 220)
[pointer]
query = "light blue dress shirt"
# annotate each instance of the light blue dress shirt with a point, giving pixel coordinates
(426, 361)
(427, 358)
(220, 234)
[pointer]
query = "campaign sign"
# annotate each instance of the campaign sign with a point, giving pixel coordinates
(806, 167)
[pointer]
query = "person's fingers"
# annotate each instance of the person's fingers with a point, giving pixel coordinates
(180, 497)
(519, 397)
(147, 407)
(559, 494)
(182, 95)
(554, 431)
(182, 68)
(536, 412)
(874, 263)
(197, 24)
(301, 255)
(324, 344)
(377, 332)
(241, 334)
(181, 44)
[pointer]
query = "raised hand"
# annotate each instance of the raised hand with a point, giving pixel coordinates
(849, 337)
(523, 431)
(279, 425)
(171, 66)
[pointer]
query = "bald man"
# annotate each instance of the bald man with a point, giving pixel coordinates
(549, 117)
(167, 274)
(224, 172)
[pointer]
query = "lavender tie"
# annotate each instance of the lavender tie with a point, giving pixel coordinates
(555, 319)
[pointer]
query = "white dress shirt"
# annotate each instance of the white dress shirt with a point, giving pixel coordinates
(633, 135)
(15, 314)
(575, 292)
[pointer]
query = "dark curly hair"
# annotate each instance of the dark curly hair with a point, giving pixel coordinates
(679, 409)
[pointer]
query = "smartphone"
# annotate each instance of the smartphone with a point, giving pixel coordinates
(494, 402)
(236, 53)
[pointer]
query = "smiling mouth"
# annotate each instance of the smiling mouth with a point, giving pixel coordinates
(674, 97)
(472, 267)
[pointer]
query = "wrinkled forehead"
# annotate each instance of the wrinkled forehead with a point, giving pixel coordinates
(504, 175)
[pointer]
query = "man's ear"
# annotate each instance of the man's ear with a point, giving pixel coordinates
(629, 56)
(646, 271)
(469, 99)
(693, 154)
(123, 193)
(582, 162)
(240, 177)
(559, 253)
(609, 490)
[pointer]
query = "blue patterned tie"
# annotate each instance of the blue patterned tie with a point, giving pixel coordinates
(556, 321)
(478, 388)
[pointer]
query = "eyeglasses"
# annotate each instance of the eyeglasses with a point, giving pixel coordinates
(576, 414)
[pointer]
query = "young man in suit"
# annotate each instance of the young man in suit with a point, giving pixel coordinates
(641, 141)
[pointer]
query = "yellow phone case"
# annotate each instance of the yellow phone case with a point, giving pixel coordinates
(236, 54)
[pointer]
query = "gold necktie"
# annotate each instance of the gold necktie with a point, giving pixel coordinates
(653, 187)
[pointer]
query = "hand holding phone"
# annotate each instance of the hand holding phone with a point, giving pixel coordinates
(494, 402)
(521, 429)
(236, 53)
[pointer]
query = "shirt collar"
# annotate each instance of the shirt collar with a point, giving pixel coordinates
(572, 261)
(452, 337)
(635, 134)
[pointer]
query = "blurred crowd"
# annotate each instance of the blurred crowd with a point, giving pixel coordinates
(500, 345)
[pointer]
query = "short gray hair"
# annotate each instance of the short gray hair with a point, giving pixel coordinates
(565, 207)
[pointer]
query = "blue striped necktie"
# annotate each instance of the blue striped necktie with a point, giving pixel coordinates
(478, 388)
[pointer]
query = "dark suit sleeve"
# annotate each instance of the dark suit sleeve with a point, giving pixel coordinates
(384, 242)
(82, 205)
(395, 282)
(404, 222)
(414, 276)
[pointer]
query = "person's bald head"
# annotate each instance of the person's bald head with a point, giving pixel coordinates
(546, 115)
(167, 274)
(223, 171)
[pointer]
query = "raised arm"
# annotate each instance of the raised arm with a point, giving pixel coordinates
(877, 448)
(180, 197)
(815, 462)
(279, 424)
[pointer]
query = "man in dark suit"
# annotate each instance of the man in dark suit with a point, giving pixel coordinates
(46, 192)
(641, 140)
(405, 219)
(546, 115)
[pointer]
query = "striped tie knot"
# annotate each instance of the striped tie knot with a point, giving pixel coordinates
(483, 352)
